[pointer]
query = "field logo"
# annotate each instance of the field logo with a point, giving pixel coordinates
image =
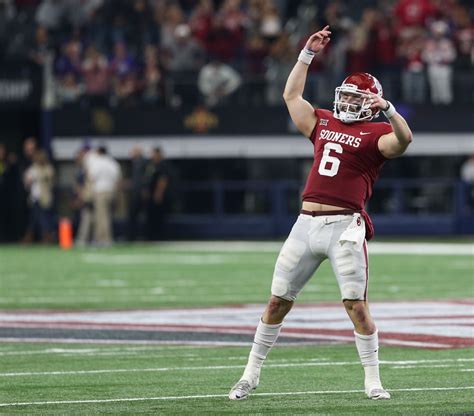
(430, 324)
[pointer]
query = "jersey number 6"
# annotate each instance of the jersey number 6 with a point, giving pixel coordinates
(329, 165)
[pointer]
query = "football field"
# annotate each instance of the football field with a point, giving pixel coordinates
(166, 329)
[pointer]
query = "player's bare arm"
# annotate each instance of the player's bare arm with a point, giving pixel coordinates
(301, 111)
(396, 143)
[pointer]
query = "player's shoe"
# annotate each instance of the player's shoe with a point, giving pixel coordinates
(242, 389)
(377, 393)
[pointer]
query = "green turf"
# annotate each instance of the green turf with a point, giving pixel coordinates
(154, 276)
(151, 372)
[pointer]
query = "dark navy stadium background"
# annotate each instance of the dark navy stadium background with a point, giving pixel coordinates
(77, 121)
(21, 116)
(279, 196)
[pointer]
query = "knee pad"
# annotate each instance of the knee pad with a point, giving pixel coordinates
(281, 288)
(352, 291)
(286, 269)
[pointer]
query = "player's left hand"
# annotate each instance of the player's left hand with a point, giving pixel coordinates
(377, 103)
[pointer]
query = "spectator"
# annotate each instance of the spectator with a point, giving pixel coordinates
(360, 56)
(255, 54)
(413, 72)
(467, 170)
(385, 54)
(225, 38)
(122, 62)
(123, 68)
(200, 20)
(136, 186)
(184, 58)
(125, 90)
(79, 12)
(464, 63)
(50, 13)
(279, 66)
(232, 19)
(185, 31)
(104, 174)
(95, 70)
(83, 202)
(217, 82)
(42, 49)
(169, 18)
(7, 14)
(70, 60)
(467, 176)
(439, 54)
(158, 195)
(141, 20)
(39, 181)
(270, 23)
(153, 88)
(413, 13)
(68, 88)
(30, 148)
(12, 197)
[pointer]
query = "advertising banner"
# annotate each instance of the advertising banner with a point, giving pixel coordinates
(20, 86)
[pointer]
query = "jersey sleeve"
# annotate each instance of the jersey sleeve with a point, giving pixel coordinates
(385, 128)
(382, 128)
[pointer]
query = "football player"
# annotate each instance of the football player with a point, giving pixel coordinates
(349, 151)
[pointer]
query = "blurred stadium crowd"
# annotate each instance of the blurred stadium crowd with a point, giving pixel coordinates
(29, 197)
(169, 52)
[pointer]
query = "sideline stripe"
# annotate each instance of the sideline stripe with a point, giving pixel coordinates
(406, 248)
(226, 367)
(206, 396)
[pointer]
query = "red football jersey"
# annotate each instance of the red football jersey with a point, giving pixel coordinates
(347, 161)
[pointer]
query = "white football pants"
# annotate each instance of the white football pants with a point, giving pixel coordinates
(311, 241)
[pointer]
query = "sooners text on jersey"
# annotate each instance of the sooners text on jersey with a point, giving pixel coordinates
(347, 161)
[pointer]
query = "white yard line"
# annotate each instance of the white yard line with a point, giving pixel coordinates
(183, 344)
(210, 396)
(404, 367)
(227, 367)
(113, 350)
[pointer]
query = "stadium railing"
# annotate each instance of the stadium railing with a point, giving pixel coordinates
(267, 209)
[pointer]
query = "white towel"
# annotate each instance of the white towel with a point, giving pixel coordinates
(354, 233)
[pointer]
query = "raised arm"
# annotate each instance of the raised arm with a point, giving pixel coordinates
(301, 111)
(396, 143)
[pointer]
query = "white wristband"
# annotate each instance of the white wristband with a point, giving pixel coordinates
(390, 111)
(306, 56)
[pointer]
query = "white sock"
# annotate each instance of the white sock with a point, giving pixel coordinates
(368, 349)
(265, 337)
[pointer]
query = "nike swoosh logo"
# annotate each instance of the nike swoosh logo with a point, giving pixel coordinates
(363, 133)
